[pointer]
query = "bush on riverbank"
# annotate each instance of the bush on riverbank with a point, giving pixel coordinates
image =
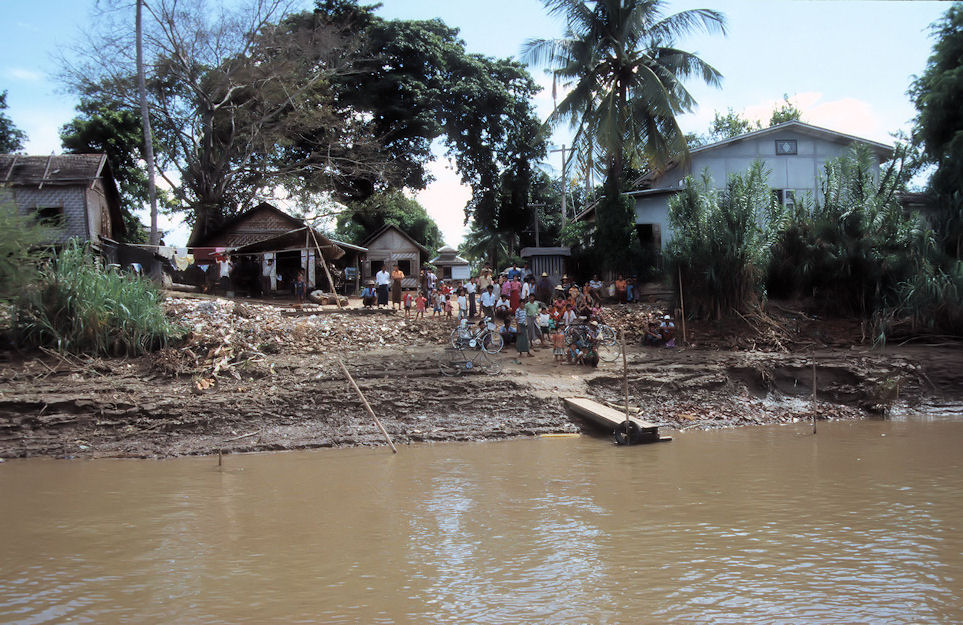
(77, 305)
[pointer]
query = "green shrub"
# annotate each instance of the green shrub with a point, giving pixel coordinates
(20, 251)
(76, 305)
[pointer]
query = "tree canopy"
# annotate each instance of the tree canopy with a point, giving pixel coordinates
(625, 75)
(11, 137)
(938, 128)
(362, 219)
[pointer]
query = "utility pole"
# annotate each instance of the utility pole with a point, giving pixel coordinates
(535, 208)
(564, 185)
(145, 121)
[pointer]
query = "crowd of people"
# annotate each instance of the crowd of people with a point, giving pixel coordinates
(527, 310)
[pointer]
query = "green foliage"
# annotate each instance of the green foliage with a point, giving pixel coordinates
(78, 306)
(115, 130)
(362, 219)
(11, 137)
(931, 296)
(20, 238)
(854, 245)
(723, 127)
(787, 112)
(624, 74)
(938, 128)
(723, 241)
(485, 244)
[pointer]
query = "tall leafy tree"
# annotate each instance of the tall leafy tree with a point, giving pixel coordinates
(624, 74)
(362, 219)
(937, 94)
(785, 112)
(11, 137)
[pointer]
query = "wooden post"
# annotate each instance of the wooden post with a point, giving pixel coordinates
(814, 391)
(324, 263)
(682, 304)
(219, 459)
(367, 405)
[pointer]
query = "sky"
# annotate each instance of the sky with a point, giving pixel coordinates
(846, 65)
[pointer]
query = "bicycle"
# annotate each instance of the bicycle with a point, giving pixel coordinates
(606, 340)
(483, 337)
(455, 361)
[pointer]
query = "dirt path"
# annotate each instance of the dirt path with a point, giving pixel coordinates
(137, 408)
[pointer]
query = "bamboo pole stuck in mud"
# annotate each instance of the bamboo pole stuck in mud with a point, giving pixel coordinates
(367, 405)
(625, 382)
(324, 263)
(682, 305)
(814, 391)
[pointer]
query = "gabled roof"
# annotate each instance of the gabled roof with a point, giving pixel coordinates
(19, 170)
(290, 222)
(885, 152)
(379, 233)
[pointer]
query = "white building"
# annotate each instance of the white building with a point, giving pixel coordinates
(793, 152)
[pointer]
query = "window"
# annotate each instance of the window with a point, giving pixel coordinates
(405, 267)
(446, 272)
(786, 197)
(52, 216)
(785, 146)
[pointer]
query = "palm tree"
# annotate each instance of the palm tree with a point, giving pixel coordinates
(624, 75)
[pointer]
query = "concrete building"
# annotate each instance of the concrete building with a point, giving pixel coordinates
(794, 153)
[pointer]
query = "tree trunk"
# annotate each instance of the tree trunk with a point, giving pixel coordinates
(148, 135)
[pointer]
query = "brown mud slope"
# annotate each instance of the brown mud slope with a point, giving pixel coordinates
(120, 408)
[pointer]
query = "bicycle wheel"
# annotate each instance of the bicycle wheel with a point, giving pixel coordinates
(492, 342)
(607, 335)
(451, 362)
(490, 364)
(456, 337)
(608, 352)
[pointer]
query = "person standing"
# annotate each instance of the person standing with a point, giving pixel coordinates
(621, 289)
(397, 275)
(485, 279)
(543, 289)
(521, 332)
(470, 290)
(514, 293)
(531, 315)
(382, 280)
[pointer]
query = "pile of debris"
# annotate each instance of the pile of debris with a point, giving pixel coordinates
(225, 336)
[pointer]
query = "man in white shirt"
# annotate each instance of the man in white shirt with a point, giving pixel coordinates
(470, 289)
(488, 300)
(382, 280)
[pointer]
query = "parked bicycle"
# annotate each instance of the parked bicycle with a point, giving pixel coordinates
(483, 336)
(606, 340)
(456, 361)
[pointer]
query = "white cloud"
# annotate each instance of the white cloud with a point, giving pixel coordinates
(849, 115)
(19, 73)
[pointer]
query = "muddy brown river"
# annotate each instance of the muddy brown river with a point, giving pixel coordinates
(862, 523)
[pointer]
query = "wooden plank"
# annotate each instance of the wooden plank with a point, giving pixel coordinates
(603, 415)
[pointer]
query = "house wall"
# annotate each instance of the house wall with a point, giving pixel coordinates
(799, 172)
(71, 200)
(98, 213)
(389, 248)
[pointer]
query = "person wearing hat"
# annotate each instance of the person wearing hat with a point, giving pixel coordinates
(368, 295)
(543, 289)
(488, 301)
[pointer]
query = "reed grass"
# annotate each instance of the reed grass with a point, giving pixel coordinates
(79, 306)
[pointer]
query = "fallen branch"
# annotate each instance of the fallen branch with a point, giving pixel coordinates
(237, 438)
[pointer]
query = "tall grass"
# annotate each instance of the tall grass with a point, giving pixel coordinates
(723, 240)
(76, 305)
(20, 240)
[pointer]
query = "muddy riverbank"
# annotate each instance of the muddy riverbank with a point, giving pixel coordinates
(261, 378)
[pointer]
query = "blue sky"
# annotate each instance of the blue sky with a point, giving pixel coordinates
(847, 65)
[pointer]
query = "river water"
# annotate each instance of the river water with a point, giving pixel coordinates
(862, 523)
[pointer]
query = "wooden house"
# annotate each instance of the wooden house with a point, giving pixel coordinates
(75, 193)
(450, 265)
(392, 246)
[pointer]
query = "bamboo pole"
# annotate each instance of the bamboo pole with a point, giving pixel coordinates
(625, 382)
(367, 405)
(682, 304)
(324, 263)
(814, 391)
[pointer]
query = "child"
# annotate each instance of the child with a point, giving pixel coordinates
(299, 288)
(407, 300)
(448, 306)
(438, 302)
(558, 342)
(462, 304)
(544, 324)
(569, 317)
(420, 302)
